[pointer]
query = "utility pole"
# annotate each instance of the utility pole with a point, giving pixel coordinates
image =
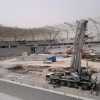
(71, 27)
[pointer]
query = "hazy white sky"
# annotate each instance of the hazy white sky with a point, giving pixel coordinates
(36, 13)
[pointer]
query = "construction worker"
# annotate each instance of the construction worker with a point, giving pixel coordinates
(95, 87)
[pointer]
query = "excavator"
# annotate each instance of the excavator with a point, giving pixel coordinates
(76, 76)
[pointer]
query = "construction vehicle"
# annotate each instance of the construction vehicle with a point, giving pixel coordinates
(76, 76)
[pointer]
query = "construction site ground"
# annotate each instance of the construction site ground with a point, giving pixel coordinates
(35, 70)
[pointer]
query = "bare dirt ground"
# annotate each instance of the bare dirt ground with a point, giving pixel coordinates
(35, 76)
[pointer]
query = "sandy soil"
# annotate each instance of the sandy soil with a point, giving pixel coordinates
(37, 78)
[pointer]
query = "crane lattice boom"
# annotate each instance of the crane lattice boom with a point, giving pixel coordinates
(78, 44)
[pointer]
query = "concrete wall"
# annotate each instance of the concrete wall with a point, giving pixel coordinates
(5, 52)
(32, 93)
